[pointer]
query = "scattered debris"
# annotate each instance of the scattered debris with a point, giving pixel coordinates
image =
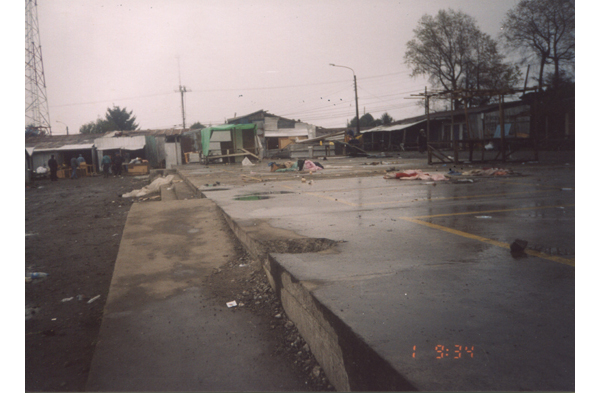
(67, 299)
(232, 304)
(30, 312)
(488, 172)
(37, 275)
(483, 217)
(415, 175)
(247, 162)
(518, 246)
(93, 299)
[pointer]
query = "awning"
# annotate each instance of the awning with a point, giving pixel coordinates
(83, 146)
(396, 127)
(124, 143)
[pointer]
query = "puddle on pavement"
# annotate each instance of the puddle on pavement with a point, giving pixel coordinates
(257, 196)
(251, 197)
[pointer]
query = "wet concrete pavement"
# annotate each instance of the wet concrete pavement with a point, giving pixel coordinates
(162, 328)
(421, 292)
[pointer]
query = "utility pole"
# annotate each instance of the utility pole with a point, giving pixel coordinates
(37, 114)
(355, 97)
(58, 121)
(182, 90)
(428, 121)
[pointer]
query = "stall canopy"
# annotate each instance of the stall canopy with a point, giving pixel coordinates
(206, 133)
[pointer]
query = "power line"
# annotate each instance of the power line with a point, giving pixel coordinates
(112, 100)
(227, 89)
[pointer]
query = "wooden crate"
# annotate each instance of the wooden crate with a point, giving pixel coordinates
(138, 169)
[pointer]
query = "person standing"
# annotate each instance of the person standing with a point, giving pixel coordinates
(74, 166)
(422, 141)
(118, 164)
(125, 162)
(53, 165)
(80, 159)
(106, 165)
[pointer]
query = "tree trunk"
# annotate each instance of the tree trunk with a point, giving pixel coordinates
(541, 77)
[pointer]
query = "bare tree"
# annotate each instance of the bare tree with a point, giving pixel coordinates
(544, 28)
(454, 53)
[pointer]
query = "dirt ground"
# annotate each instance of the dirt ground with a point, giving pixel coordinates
(72, 232)
(73, 229)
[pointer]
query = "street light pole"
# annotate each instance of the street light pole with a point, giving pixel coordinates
(355, 96)
(65, 126)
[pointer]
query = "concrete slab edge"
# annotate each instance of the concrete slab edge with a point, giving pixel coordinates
(348, 361)
(187, 181)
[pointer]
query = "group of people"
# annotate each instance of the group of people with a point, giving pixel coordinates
(107, 161)
(119, 163)
(75, 163)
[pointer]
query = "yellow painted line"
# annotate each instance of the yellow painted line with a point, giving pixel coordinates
(490, 211)
(565, 261)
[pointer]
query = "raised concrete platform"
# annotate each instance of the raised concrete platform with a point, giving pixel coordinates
(416, 288)
(162, 330)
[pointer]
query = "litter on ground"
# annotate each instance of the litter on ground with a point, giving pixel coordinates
(415, 175)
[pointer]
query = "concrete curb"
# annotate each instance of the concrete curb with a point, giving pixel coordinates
(349, 363)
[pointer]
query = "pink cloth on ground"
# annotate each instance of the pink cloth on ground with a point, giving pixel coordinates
(310, 166)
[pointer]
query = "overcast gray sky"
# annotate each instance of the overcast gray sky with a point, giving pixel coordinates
(235, 57)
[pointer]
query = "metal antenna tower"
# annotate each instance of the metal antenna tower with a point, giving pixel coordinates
(37, 114)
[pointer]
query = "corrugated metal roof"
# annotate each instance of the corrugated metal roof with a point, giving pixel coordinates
(248, 115)
(76, 147)
(51, 143)
(163, 132)
(396, 127)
